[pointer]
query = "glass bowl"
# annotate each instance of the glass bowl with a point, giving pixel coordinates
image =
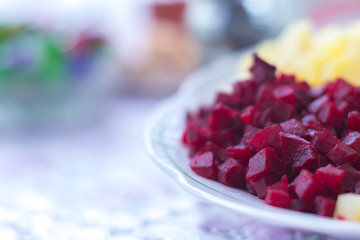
(162, 140)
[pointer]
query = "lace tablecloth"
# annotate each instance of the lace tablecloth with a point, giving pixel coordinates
(98, 183)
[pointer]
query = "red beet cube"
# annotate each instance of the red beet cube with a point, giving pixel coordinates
(316, 92)
(244, 92)
(302, 96)
(317, 104)
(285, 93)
(344, 107)
(223, 138)
(219, 153)
(298, 152)
(342, 153)
(301, 205)
(268, 137)
(262, 71)
(262, 163)
(323, 141)
(330, 176)
(285, 79)
(311, 122)
(277, 197)
(352, 139)
(324, 206)
(269, 109)
(249, 132)
(353, 121)
(204, 165)
(294, 126)
(220, 118)
(330, 115)
(260, 185)
(247, 115)
(282, 184)
(306, 186)
(357, 188)
(340, 89)
(225, 99)
(193, 137)
(231, 173)
(240, 153)
(351, 177)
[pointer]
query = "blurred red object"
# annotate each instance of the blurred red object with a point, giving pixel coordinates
(173, 11)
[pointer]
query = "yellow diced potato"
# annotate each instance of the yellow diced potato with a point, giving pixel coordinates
(315, 55)
(348, 207)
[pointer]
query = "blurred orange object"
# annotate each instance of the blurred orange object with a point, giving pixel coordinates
(171, 52)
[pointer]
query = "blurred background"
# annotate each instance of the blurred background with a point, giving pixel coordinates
(61, 61)
(78, 80)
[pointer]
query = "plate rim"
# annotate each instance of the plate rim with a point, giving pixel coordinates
(280, 217)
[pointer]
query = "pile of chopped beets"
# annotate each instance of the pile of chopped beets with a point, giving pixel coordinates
(293, 146)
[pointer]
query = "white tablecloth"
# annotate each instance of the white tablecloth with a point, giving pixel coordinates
(98, 183)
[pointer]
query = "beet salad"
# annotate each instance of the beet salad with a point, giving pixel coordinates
(277, 138)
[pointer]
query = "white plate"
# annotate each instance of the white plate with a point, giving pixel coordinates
(163, 143)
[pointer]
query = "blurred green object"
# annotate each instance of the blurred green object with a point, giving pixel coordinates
(48, 76)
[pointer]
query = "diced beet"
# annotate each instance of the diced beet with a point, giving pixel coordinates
(331, 130)
(330, 115)
(333, 193)
(249, 132)
(302, 96)
(262, 71)
(277, 197)
(285, 79)
(262, 163)
(351, 177)
(244, 93)
(330, 176)
(342, 153)
(225, 99)
(282, 184)
(285, 93)
(223, 138)
(298, 152)
(317, 104)
(272, 131)
(311, 122)
(204, 165)
(324, 206)
(323, 141)
(269, 109)
(192, 137)
(294, 126)
(316, 92)
(353, 121)
(247, 115)
(219, 153)
(249, 187)
(260, 185)
(343, 106)
(301, 205)
(268, 137)
(340, 89)
(237, 126)
(357, 188)
(352, 139)
(220, 118)
(306, 186)
(231, 173)
(240, 153)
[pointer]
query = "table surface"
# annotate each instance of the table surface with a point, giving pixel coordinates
(98, 183)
